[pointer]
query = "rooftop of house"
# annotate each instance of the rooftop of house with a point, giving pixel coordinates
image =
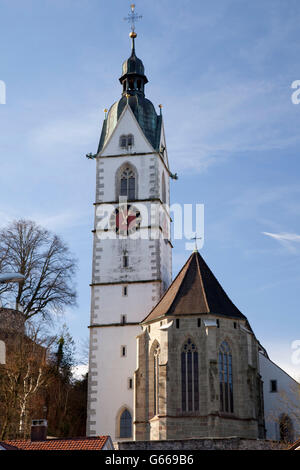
(295, 446)
(76, 443)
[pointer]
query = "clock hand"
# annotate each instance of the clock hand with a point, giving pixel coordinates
(124, 215)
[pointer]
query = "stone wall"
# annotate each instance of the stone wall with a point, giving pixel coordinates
(231, 443)
(171, 421)
(11, 321)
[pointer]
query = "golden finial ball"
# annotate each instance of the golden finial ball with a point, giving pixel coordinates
(132, 34)
(160, 106)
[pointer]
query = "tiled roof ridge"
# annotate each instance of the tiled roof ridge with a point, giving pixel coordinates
(295, 445)
(50, 439)
(185, 267)
(69, 443)
(224, 293)
(201, 280)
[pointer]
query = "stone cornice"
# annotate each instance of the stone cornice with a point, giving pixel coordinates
(107, 325)
(143, 281)
(100, 157)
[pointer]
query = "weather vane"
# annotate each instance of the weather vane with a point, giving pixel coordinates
(133, 17)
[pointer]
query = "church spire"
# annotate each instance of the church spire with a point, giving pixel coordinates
(133, 82)
(133, 72)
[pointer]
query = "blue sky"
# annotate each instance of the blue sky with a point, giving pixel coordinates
(223, 71)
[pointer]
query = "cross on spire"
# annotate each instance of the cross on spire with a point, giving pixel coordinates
(196, 238)
(133, 17)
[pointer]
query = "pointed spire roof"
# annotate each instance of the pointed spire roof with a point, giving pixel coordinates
(133, 81)
(195, 291)
(133, 65)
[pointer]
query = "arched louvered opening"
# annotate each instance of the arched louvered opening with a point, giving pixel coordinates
(126, 141)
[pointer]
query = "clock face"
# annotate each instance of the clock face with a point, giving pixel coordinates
(126, 219)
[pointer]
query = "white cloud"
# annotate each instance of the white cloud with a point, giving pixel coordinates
(289, 237)
(281, 354)
(287, 240)
(5, 218)
(69, 130)
(227, 121)
(60, 220)
(79, 371)
(253, 202)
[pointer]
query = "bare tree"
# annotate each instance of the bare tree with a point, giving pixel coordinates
(65, 397)
(47, 264)
(22, 379)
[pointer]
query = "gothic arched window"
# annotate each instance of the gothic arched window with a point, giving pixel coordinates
(125, 424)
(156, 381)
(225, 378)
(128, 183)
(189, 377)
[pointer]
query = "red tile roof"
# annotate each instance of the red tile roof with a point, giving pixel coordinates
(295, 446)
(77, 443)
(195, 290)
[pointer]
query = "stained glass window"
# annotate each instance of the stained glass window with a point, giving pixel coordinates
(125, 424)
(225, 378)
(156, 381)
(127, 186)
(189, 377)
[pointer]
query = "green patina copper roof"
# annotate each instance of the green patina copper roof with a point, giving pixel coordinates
(133, 65)
(133, 72)
(145, 114)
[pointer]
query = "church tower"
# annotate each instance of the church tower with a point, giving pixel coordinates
(132, 261)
